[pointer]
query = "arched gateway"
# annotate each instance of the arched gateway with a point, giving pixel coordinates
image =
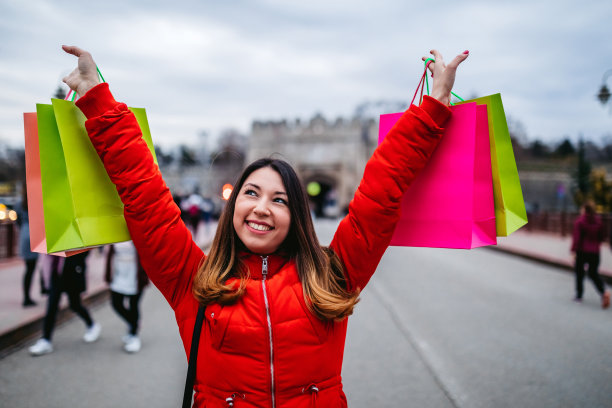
(330, 154)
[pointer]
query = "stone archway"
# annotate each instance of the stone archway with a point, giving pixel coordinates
(322, 195)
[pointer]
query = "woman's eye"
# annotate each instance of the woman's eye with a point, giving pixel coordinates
(250, 192)
(280, 200)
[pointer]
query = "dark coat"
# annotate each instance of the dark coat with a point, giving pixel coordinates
(73, 276)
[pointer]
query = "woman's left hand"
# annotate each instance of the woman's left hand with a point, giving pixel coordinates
(444, 75)
(85, 75)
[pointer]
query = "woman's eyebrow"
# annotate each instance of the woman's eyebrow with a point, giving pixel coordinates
(252, 185)
(259, 188)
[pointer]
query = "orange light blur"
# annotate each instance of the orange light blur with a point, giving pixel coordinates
(227, 191)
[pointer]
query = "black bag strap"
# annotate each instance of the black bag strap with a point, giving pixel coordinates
(193, 358)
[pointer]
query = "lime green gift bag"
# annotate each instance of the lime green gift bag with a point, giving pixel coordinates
(81, 206)
(510, 211)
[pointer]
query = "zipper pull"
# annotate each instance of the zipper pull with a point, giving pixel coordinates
(264, 267)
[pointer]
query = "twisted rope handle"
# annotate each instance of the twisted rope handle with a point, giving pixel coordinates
(427, 62)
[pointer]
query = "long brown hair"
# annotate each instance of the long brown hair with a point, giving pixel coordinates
(319, 269)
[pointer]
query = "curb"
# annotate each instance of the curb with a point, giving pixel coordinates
(16, 337)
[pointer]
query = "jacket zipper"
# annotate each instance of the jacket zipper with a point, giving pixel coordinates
(264, 273)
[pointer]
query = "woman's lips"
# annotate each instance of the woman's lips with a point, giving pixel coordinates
(260, 227)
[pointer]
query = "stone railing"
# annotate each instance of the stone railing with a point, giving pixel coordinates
(560, 223)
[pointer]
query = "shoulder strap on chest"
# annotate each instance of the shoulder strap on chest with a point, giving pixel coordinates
(193, 358)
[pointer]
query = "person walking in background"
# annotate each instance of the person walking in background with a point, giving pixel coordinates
(25, 252)
(64, 275)
(588, 234)
(127, 280)
(192, 206)
(610, 232)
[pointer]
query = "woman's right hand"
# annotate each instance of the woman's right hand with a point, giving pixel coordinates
(85, 75)
(444, 75)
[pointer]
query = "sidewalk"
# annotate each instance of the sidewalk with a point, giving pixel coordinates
(18, 324)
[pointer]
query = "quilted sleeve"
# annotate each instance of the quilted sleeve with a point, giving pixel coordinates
(164, 244)
(365, 233)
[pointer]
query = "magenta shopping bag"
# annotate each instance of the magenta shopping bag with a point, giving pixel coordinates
(450, 203)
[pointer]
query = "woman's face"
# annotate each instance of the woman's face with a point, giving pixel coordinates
(261, 215)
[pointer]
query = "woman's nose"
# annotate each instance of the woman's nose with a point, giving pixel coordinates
(261, 208)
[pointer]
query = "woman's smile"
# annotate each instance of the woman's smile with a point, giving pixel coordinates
(259, 227)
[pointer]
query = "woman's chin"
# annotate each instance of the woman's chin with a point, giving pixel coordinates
(260, 249)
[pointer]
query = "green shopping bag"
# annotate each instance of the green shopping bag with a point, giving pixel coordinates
(81, 206)
(510, 211)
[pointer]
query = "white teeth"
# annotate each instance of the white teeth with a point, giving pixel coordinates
(258, 227)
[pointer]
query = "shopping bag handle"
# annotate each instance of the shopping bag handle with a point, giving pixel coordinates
(421, 85)
(71, 92)
(424, 83)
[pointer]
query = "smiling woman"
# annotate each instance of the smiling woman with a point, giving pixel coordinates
(275, 303)
(268, 213)
(262, 216)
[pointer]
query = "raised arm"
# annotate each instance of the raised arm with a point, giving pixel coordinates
(165, 247)
(364, 234)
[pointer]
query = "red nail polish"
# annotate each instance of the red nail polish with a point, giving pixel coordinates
(466, 52)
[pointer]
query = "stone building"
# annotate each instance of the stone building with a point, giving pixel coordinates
(330, 154)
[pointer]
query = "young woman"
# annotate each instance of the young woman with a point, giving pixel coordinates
(127, 280)
(65, 275)
(276, 301)
(588, 234)
(29, 257)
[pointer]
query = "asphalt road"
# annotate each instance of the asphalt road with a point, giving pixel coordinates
(435, 328)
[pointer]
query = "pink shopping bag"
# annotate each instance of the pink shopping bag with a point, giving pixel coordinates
(38, 241)
(450, 203)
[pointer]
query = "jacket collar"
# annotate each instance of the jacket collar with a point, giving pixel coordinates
(254, 263)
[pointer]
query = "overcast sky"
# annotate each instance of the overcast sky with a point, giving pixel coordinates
(209, 65)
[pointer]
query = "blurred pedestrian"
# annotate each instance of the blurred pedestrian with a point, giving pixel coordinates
(65, 275)
(127, 280)
(28, 256)
(192, 206)
(588, 234)
(610, 231)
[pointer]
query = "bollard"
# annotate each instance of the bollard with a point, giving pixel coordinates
(11, 240)
(3, 241)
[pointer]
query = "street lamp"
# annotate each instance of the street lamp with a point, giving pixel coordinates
(604, 92)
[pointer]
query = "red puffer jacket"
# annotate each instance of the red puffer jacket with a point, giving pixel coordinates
(267, 350)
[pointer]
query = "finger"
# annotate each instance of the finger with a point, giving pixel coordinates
(71, 49)
(70, 79)
(430, 64)
(458, 59)
(437, 57)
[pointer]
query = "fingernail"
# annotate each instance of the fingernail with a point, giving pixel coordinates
(466, 52)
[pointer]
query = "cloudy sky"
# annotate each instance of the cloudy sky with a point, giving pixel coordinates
(199, 65)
